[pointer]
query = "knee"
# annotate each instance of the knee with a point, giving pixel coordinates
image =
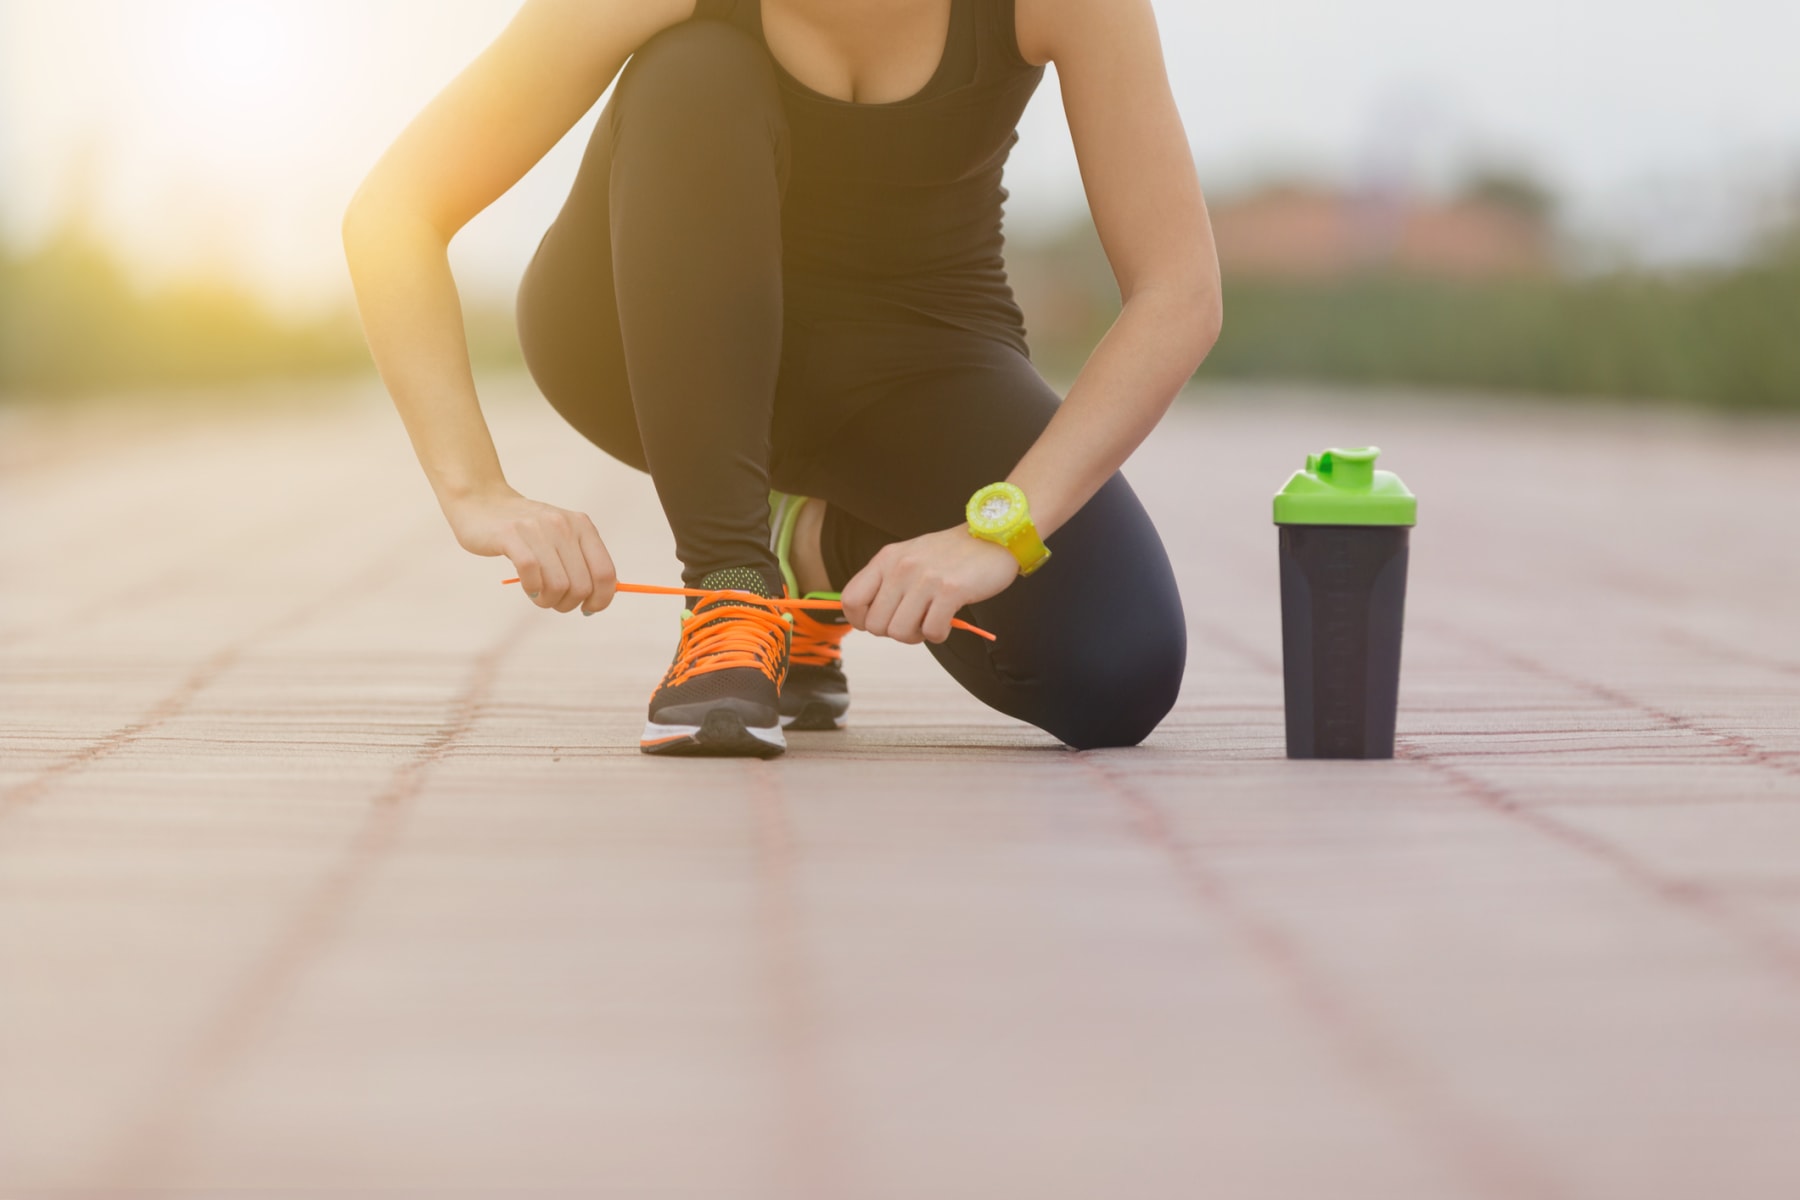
(1120, 687)
(699, 71)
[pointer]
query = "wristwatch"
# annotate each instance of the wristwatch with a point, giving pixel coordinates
(999, 513)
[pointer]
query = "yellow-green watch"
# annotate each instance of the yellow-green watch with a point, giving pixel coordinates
(999, 513)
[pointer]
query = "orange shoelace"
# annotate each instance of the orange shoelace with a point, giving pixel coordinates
(783, 605)
(746, 632)
(816, 643)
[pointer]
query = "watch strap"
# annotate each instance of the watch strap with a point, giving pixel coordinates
(1028, 548)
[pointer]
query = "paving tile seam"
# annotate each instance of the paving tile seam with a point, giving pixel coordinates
(170, 706)
(150, 1148)
(196, 682)
(1735, 744)
(1700, 900)
(366, 743)
(1473, 1148)
(1589, 755)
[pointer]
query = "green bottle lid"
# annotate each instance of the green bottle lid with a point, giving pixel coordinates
(1342, 487)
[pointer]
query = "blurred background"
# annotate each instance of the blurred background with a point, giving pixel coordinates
(1594, 199)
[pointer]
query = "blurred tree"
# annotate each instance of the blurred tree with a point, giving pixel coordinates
(72, 321)
(1717, 337)
(1511, 188)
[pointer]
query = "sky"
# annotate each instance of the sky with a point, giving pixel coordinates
(224, 136)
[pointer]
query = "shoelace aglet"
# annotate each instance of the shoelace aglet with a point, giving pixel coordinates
(650, 589)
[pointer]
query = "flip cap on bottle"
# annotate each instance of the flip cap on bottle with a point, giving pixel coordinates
(1342, 487)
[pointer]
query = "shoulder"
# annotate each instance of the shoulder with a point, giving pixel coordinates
(607, 20)
(1050, 30)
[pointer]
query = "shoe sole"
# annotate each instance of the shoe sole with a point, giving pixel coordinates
(722, 735)
(815, 717)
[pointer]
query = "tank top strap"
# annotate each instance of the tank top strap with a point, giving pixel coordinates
(999, 28)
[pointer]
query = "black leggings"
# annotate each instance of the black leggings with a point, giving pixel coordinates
(653, 318)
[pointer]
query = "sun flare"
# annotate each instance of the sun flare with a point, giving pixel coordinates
(227, 79)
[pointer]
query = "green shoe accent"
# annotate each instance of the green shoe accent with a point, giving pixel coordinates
(1342, 487)
(784, 515)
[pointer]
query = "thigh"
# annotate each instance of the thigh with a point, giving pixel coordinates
(568, 305)
(568, 314)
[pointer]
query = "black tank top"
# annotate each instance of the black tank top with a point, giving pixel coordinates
(896, 209)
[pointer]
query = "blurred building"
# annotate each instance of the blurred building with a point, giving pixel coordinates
(1309, 233)
(1500, 227)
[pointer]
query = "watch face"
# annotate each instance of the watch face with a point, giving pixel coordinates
(995, 510)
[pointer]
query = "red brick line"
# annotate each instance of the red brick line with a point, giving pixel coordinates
(813, 1168)
(197, 681)
(1776, 948)
(169, 707)
(1491, 1165)
(1734, 744)
(1697, 898)
(1523, 752)
(1773, 946)
(149, 1151)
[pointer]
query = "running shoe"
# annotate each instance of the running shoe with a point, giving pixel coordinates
(816, 695)
(721, 697)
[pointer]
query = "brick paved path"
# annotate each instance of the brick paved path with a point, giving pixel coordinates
(327, 863)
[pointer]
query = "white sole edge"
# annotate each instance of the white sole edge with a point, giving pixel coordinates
(654, 733)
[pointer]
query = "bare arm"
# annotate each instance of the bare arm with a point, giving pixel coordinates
(1145, 197)
(1146, 202)
(471, 143)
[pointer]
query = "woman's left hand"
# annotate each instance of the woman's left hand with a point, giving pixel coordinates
(911, 591)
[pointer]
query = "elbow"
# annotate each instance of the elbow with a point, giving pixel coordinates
(1191, 313)
(1202, 304)
(1206, 321)
(376, 221)
(358, 227)
(1200, 321)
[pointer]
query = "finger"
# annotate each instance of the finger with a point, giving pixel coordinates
(887, 600)
(568, 552)
(555, 578)
(859, 593)
(910, 616)
(525, 564)
(599, 564)
(936, 627)
(574, 563)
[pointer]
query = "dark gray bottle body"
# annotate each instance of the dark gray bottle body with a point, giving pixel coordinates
(1343, 604)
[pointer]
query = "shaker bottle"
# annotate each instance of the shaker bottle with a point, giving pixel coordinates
(1344, 533)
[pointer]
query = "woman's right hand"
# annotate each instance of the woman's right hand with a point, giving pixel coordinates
(560, 559)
